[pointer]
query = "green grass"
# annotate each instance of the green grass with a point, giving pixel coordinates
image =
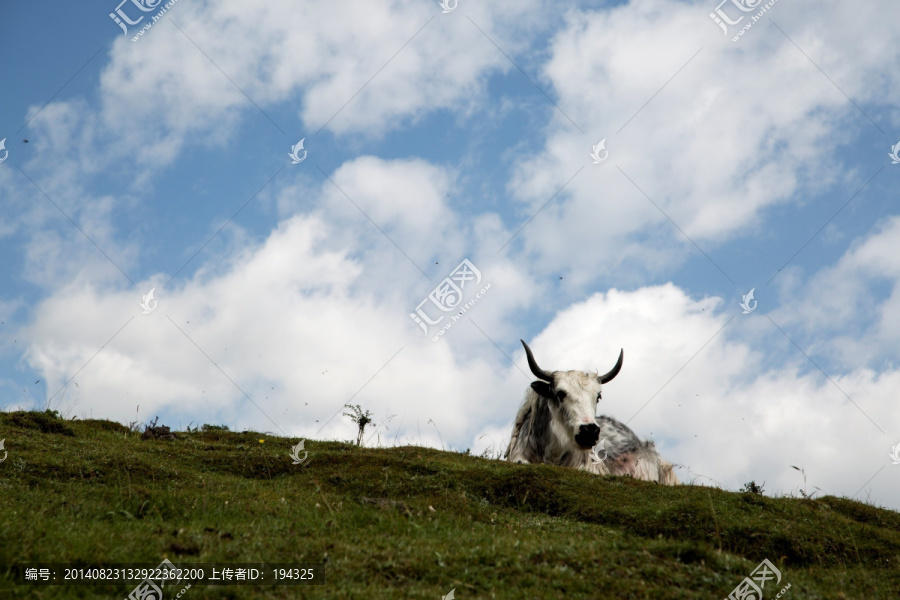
(410, 522)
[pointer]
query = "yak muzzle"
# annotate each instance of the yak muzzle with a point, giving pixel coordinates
(587, 436)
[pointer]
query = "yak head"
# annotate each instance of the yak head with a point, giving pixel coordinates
(572, 398)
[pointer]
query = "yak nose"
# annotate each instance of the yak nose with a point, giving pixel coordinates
(587, 435)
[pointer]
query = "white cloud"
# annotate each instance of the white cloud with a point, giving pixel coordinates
(160, 93)
(742, 128)
(404, 198)
(849, 309)
(393, 63)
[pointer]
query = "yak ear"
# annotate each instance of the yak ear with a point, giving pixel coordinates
(542, 388)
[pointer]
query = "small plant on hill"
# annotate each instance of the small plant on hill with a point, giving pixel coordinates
(491, 452)
(804, 491)
(135, 426)
(161, 432)
(360, 418)
(46, 400)
(752, 488)
(208, 427)
(438, 432)
(385, 425)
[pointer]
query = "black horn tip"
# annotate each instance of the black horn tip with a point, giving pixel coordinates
(532, 364)
(615, 370)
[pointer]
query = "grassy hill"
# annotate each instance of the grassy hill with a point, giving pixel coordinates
(410, 522)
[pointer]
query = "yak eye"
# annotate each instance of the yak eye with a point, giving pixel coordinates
(599, 396)
(561, 395)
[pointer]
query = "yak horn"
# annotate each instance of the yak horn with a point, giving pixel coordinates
(615, 370)
(538, 372)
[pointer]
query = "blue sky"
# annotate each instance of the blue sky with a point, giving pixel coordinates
(285, 290)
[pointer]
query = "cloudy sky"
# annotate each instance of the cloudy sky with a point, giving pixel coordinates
(729, 155)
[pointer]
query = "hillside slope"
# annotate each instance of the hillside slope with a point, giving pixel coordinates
(410, 522)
